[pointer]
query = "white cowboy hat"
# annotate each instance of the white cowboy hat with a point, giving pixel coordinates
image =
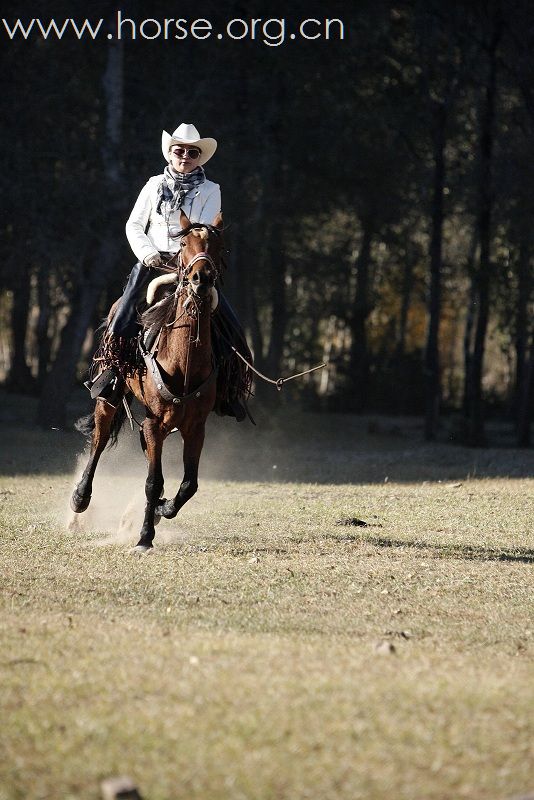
(188, 134)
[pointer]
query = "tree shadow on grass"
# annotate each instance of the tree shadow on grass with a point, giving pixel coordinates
(286, 447)
(468, 552)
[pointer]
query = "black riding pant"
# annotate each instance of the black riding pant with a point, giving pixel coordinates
(125, 322)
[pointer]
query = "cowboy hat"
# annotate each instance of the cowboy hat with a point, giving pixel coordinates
(188, 134)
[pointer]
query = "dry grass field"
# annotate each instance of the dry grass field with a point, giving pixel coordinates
(263, 650)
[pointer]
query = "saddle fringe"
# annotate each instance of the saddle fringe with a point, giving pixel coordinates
(117, 353)
(124, 357)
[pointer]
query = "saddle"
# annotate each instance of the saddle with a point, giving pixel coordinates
(118, 358)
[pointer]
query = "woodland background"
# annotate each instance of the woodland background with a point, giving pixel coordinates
(378, 192)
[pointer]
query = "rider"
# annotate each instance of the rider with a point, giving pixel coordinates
(151, 231)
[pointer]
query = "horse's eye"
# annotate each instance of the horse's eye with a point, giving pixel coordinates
(182, 243)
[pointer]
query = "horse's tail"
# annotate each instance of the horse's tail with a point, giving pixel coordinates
(116, 425)
(86, 425)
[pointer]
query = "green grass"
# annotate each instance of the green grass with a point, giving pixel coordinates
(239, 659)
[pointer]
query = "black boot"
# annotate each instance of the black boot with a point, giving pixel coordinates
(235, 378)
(107, 386)
(125, 322)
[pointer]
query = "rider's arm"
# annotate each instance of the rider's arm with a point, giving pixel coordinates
(211, 205)
(137, 224)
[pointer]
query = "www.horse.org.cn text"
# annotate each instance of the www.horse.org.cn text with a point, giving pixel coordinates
(272, 32)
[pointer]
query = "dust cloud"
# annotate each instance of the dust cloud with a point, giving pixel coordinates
(286, 447)
(232, 452)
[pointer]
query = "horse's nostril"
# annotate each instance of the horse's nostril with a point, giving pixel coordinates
(196, 278)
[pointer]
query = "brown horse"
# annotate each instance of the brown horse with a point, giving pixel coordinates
(181, 391)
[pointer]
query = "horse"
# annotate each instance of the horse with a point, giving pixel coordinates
(178, 390)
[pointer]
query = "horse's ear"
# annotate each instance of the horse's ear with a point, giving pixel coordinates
(218, 221)
(184, 220)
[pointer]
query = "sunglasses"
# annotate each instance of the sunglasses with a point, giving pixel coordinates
(192, 152)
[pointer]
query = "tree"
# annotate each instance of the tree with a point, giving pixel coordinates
(99, 261)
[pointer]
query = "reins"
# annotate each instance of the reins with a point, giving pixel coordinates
(279, 382)
(169, 266)
(181, 269)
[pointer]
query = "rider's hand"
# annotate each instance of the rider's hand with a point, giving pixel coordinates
(153, 260)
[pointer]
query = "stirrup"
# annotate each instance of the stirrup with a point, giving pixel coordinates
(100, 383)
(107, 386)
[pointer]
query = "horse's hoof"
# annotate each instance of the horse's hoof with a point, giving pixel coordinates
(78, 502)
(165, 508)
(141, 550)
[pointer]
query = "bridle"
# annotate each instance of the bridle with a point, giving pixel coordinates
(185, 269)
(177, 264)
(181, 269)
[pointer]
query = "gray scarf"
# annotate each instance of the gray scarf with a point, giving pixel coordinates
(175, 185)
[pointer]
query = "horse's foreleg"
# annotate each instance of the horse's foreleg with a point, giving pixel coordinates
(154, 483)
(193, 443)
(81, 496)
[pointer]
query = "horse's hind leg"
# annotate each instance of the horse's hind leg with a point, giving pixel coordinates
(153, 436)
(193, 443)
(81, 496)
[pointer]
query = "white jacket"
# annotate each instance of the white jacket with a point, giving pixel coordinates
(148, 232)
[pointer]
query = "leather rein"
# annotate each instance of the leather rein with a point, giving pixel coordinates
(182, 269)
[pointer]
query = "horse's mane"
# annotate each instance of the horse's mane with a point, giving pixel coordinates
(195, 226)
(161, 313)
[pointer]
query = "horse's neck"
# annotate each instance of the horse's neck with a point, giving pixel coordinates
(186, 346)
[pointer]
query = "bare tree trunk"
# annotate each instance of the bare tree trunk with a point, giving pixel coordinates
(475, 420)
(526, 400)
(470, 321)
(43, 339)
(524, 377)
(432, 361)
(524, 288)
(406, 298)
(279, 310)
(239, 274)
(359, 356)
(19, 378)
(257, 338)
(59, 381)
(277, 266)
